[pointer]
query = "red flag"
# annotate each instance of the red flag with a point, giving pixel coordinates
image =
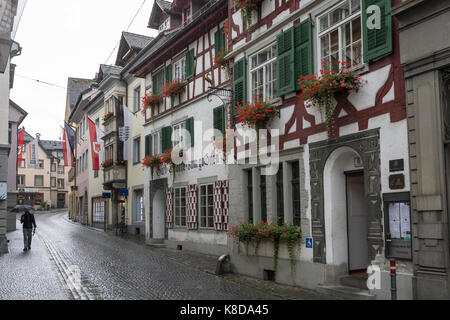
(20, 147)
(95, 146)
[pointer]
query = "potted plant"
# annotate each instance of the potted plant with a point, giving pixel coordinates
(247, 233)
(221, 62)
(166, 158)
(246, 6)
(173, 88)
(256, 115)
(152, 161)
(321, 91)
(107, 163)
(150, 101)
(108, 116)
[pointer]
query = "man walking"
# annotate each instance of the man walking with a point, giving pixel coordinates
(28, 221)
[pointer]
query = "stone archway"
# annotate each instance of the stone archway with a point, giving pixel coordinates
(158, 210)
(367, 145)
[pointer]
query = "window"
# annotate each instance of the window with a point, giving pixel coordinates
(137, 99)
(21, 181)
(178, 135)
(180, 207)
(41, 164)
(263, 73)
(86, 161)
(109, 150)
(82, 163)
(9, 132)
(99, 211)
(340, 34)
(60, 155)
(296, 193)
(187, 15)
(22, 163)
(158, 81)
(262, 188)
(136, 150)
(38, 181)
(60, 169)
(250, 195)
(179, 68)
(53, 169)
(60, 183)
(53, 182)
(165, 25)
(156, 143)
(207, 206)
(139, 206)
(280, 196)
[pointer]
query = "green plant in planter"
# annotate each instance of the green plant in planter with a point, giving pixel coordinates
(320, 91)
(246, 6)
(244, 233)
(173, 88)
(150, 101)
(291, 235)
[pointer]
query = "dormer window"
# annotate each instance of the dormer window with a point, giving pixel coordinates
(187, 15)
(165, 25)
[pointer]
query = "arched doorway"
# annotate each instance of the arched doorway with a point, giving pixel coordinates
(345, 210)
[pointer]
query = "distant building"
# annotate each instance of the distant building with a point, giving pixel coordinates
(44, 186)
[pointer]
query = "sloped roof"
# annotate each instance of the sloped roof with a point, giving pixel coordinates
(159, 7)
(27, 137)
(74, 87)
(50, 145)
(136, 41)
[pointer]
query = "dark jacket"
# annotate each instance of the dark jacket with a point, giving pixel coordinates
(28, 221)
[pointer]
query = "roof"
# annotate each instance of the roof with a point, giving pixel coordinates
(159, 7)
(136, 41)
(50, 145)
(27, 137)
(74, 87)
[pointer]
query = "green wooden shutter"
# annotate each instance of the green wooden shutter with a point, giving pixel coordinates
(148, 145)
(190, 64)
(166, 138)
(285, 62)
(219, 41)
(219, 118)
(239, 83)
(303, 53)
(377, 42)
(190, 129)
(168, 73)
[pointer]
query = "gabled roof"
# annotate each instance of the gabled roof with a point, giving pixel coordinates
(160, 7)
(50, 145)
(27, 137)
(74, 87)
(130, 43)
(106, 70)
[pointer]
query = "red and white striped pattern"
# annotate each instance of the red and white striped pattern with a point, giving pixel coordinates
(192, 204)
(169, 208)
(221, 205)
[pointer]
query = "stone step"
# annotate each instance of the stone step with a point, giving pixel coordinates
(347, 293)
(355, 282)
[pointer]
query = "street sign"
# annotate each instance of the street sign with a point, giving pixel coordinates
(106, 195)
(309, 243)
(123, 192)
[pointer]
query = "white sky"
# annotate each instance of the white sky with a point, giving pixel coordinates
(62, 39)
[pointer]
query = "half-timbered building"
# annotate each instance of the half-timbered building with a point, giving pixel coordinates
(348, 189)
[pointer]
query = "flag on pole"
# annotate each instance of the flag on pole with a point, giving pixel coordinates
(67, 152)
(32, 154)
(20, 147)
(125, 132)
(70, 139)
(96, 148)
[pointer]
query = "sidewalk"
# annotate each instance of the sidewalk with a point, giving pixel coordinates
(29, 275)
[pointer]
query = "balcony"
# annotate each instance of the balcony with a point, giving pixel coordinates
(114, 177)
(110, 125)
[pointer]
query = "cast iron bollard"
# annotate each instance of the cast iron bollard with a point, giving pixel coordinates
(393, 280)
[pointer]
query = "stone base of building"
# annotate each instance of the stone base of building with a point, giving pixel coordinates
(205, 248)
(11, 222)
(3, 245)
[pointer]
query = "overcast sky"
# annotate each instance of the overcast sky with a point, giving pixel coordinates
(67, 38)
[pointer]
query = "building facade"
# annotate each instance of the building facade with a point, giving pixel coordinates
(426, 62)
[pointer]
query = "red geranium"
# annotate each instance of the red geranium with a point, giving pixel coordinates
(257, 114)
(173, 88)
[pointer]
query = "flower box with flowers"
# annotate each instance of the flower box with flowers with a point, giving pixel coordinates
(269, 240)
(108, 116)
(173, 88)
(321, 91)
(152, 161)
(150, 101)
(247, 6)
(221, 62)
(108, 163)
(167, 158)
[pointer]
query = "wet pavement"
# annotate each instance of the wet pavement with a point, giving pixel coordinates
(70, 261)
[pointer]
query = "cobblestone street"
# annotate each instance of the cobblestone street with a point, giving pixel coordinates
(115, 268)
